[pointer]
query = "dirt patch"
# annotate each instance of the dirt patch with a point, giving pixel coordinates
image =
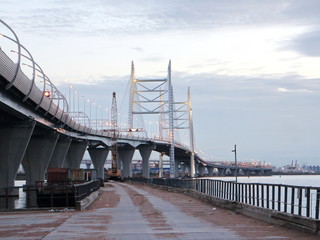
(33, 230)
(107, 199)
(243, 225)
(168, 235)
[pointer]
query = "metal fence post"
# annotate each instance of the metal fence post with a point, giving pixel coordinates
(292, 200)
(279, 198)
(317, 203)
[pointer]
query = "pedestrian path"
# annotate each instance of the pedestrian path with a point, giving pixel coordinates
(136, 212)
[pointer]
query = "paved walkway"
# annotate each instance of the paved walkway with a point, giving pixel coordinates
(136, 212)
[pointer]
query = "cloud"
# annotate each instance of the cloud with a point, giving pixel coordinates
(294, 90)
(135, 17)
(307, 43)
(138, 49)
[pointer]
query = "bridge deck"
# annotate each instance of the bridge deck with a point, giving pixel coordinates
(127, 211)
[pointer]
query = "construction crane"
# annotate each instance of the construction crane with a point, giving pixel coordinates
(114, 173)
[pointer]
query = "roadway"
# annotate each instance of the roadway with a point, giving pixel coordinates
(125, 211)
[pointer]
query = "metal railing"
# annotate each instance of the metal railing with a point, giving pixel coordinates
(298, 200)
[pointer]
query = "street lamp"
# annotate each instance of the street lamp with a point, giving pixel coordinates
(70, 86)
(76, 92)
(95, 105)
(89, 112)
(101, 117)
(235, 160)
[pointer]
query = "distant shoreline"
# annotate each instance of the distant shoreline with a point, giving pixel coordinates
(282, 173)
(273, 174)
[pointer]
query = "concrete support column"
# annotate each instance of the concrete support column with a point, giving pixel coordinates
(60, 152)
(221, 171)
(177, 163)
(196, 169)
(183, 169)
(99, 157)
(38, 154)
(75, 155)
(125, 156)
(14, 140)
(210, 171)
(201, 170)
(188, 169)
(145, 152)
(234, 172)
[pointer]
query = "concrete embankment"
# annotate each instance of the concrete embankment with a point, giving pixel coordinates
(303, 224)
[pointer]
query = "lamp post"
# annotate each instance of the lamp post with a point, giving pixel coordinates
(73, 105)
(84, 109)
(235, 160)
(89, 112)
(101, 114)
(95, 105)
(78, 109)
(70, 110)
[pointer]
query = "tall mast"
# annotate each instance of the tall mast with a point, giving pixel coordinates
(114, 130)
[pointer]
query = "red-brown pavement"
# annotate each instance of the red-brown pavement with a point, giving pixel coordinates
(129, 212)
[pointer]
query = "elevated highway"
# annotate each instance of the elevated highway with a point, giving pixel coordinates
(38, 132)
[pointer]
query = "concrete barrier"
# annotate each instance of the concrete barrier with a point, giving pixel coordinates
(84, 203)
(291, 221)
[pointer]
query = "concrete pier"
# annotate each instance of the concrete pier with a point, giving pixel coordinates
(38, 154)
(125, 156)
(12, 151)
(145, 152)
(99, 157)
(60, 152)
(75, 154)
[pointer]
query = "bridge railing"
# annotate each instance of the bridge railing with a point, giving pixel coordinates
(298, 200)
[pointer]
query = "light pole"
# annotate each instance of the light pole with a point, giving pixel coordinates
(101, 114)
(84, 109)
(78, 110)
(73, 105)
(235, 160)
(96, 107)
(89, 112)
(70, 110)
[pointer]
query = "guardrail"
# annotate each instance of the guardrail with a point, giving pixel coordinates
(297, 200)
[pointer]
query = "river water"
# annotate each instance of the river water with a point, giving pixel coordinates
(296, 180)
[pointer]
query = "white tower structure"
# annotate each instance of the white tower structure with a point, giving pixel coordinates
(155, 96)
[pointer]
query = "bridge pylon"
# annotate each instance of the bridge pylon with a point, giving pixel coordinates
(155, 96)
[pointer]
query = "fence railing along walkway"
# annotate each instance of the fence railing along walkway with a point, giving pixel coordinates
(298, 200)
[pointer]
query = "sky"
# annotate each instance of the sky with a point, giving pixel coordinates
(252, 66)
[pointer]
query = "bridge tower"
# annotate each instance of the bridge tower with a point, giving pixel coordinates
(191, 135)
(155, 96)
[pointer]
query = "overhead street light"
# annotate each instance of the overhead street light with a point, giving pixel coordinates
(46, 93)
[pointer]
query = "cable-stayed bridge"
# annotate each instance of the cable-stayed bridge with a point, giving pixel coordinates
(38, 130)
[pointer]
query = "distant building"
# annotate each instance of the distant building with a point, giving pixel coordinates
(293, 168)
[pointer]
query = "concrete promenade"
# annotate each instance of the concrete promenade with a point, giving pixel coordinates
(136, 212)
